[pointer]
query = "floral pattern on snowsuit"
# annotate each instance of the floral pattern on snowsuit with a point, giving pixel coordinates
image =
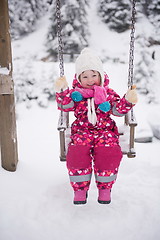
(93, 146)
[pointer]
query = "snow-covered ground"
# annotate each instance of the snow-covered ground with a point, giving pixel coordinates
(36, 200)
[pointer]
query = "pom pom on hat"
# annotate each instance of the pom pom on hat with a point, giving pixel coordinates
(88, 60)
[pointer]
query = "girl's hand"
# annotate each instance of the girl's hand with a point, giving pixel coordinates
(61, 84)
(131, 95)
(76, 96)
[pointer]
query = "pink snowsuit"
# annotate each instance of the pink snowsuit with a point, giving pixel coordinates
(96, 145)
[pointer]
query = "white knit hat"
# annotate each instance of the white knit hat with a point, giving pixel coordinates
(87, 60)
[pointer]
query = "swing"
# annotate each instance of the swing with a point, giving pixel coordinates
(126, 132)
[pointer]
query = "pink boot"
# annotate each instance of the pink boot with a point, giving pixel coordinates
(104, 196)
(80, 197)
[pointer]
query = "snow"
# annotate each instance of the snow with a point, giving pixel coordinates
(4, 70)
(36, 200)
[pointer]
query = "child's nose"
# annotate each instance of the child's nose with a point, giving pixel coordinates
(91, 80)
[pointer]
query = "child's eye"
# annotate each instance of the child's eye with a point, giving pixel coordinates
(94, 75)
(85, 77)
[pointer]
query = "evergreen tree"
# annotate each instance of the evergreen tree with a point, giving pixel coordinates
(144, 68)
(116, 13)
(24, 15)
(151, 9)
(154, 17)
(74, 28)
(32, 85)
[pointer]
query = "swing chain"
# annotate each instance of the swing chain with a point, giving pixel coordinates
(131, 52)
(60, 46)
(59, 35)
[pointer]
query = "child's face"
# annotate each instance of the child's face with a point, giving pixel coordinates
(90, 78)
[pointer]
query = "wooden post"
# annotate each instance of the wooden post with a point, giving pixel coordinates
(8, 135)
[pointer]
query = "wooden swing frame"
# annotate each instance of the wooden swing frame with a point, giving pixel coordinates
(129, 119)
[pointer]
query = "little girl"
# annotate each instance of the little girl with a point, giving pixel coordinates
(94, 135)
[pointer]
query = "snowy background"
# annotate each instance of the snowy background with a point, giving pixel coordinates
(36, 200)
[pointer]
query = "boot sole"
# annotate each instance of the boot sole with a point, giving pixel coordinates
(104, 202)
(79, 202)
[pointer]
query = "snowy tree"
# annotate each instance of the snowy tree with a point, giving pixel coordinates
(31, 84)
(24, 15)
(154, 17)
(151, 8)
(146, 73)
(74, 28)
(144, 69)
(116, 13)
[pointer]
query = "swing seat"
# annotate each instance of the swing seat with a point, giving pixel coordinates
(126, 139)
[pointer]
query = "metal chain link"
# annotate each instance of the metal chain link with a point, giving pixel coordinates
(59, 35)
(60, 46)
(131, 51)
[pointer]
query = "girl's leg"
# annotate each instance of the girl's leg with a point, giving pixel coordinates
(107, 158)
(79, 167)
(107, 161)
(80, 170)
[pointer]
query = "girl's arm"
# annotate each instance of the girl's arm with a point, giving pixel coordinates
(63, 95)
(119, 106)
(64, 100)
